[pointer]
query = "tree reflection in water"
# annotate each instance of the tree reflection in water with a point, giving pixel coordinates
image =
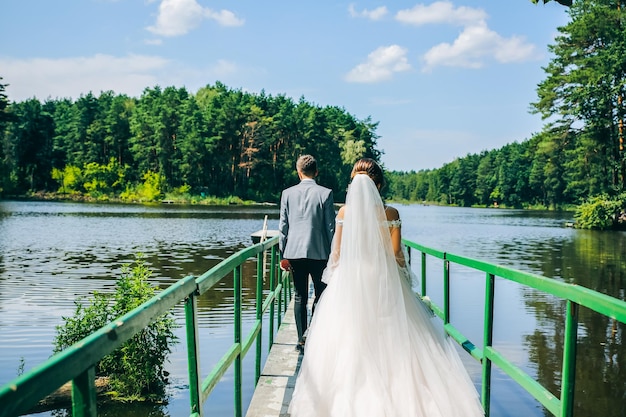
(593, 260)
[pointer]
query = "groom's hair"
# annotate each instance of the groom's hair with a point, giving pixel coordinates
(307, 165)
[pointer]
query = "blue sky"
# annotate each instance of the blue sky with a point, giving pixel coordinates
(443, 78)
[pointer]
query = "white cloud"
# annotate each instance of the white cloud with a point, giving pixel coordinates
(178, 17)
(474, 46)
(376, 14)
(44, 78)
(224, 17)
(441, 12)
(381, 64)
(515, 49)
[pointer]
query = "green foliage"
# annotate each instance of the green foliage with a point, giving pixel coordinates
(600, 212)
(219, 142)
(70, 179)
(577, 155)
(136, 369)
(26, 144)
(352, 149)
(148, 191)
(562, 2)
(183, 195)
(223, 201)
(182, 190)
(95, 180)
(584, 88)
(102, 180)
(5, 117)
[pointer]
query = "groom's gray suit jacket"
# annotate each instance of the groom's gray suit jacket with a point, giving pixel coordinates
(307, 221)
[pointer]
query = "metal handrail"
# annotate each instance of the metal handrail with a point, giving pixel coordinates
(574, 295)
(77, 363)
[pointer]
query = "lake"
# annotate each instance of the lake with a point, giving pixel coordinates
(52, 253)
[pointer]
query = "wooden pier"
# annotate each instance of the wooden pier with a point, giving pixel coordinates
(273, 392)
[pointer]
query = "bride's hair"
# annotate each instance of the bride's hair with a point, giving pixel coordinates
(371, 168)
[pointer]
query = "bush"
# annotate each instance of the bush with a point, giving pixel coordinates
(70, 179)
(600, 212)
(148, 191)
(136, 369)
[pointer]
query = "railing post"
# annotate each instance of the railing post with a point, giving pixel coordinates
(446, 290)
(272, 289)
(259, 314)
(286, 280)
(487, 342)
(237, 325)
(193, 354)
(289, 288)
(569, 359)
(279, 297)
(423, 274)
(84, 394)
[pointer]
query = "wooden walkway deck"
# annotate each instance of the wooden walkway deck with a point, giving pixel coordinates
(273, 392)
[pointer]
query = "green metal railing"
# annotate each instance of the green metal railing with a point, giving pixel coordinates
(77, 363)
(574, 296)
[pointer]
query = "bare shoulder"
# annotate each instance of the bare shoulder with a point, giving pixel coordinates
(392, 213)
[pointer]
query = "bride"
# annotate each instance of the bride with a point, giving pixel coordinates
(372, 349)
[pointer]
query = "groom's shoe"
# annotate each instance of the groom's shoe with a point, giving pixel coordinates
(300, 347)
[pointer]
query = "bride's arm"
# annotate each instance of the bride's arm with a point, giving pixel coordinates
(396, 234)
(334, 255)
(333, 260)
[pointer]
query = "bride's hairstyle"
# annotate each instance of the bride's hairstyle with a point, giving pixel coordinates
(371, 168)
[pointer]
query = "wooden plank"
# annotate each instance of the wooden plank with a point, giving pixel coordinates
(273, 392)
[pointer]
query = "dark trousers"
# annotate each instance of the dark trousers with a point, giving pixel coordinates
(302, 268)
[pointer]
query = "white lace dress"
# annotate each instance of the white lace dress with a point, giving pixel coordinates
(372, 348)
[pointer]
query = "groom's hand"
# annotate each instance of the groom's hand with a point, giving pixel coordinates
(285, 265)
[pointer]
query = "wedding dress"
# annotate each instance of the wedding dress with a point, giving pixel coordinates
(372, 348)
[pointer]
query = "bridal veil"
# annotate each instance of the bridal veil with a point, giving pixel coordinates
(372, 349)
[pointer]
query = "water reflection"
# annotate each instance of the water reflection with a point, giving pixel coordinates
(594, 260)
(52, 253)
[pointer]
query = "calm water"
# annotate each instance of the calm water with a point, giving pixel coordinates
(52, 253)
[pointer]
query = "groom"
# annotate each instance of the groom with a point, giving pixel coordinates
(306, 227)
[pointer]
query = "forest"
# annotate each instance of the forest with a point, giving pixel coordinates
(578, 158)
(217, 142)
(227, 143)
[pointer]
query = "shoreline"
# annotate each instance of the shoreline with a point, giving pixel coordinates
(228, 201)
(81, 198)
